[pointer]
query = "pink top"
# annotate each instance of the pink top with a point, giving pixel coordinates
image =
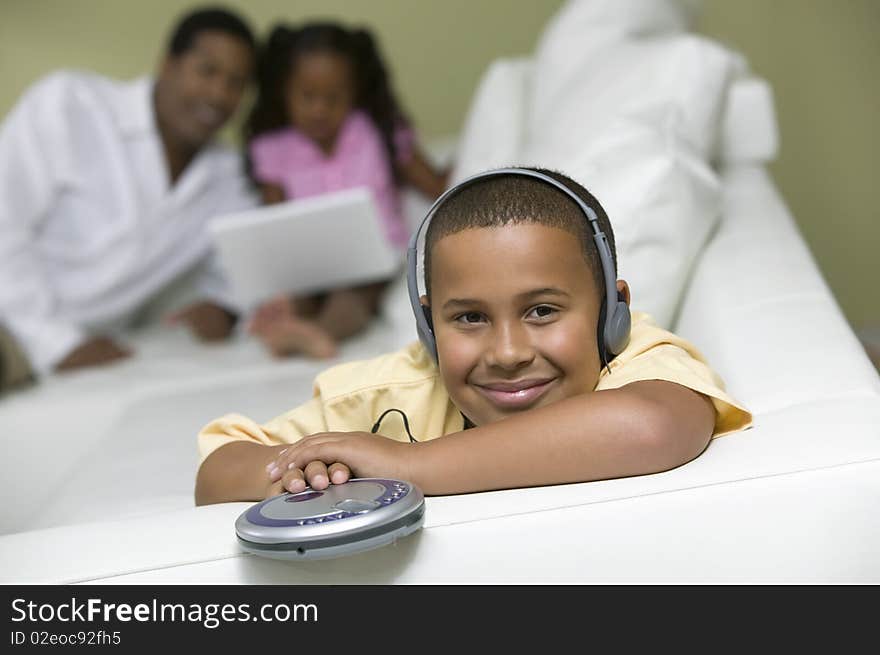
(289, 159)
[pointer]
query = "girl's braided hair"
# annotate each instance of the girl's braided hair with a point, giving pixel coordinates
(373, 92)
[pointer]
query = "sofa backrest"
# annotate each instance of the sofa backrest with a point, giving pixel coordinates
(624, 99)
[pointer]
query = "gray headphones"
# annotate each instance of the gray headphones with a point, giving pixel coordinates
(614, 326)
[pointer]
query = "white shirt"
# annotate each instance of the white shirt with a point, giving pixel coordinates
(90, 227)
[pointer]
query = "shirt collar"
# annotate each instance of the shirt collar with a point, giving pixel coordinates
(135, 112)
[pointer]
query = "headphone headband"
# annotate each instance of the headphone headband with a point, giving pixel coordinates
(614, 334)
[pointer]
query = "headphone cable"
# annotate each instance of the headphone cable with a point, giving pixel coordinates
(378, 422)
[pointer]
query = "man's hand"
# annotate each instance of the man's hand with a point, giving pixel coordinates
(209, 322)
(95, 351)
(334, 457)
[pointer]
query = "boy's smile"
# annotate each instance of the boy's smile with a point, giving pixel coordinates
(515, 310)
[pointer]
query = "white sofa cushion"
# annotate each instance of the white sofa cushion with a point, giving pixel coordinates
(663, 202)
(493, 132)
(585, 26)
(749, 133)
(598, 60)
(758, 308)
(629, 104)
(623, 17)
(677, 81)
(642, 147)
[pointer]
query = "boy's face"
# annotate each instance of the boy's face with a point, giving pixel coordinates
(515, 311)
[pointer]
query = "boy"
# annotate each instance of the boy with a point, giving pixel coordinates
(524, 386)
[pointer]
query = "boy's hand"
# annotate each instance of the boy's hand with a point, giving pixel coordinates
(334, 457)
(321, 476)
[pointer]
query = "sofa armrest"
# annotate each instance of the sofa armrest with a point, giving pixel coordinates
(758, 307)
(748, 133)
(816, 526)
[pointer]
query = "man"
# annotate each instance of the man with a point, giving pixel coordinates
(105, 191)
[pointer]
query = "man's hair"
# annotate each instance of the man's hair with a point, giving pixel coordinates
(513, 199)
(213, 19)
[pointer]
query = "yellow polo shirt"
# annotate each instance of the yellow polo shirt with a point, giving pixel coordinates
(352, 396)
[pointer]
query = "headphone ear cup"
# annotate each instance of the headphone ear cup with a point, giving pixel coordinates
(618, 328)
(426, 312)
(600, 334)
(426, 332)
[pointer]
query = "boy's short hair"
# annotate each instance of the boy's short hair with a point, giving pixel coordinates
(214, 19)
(513, 199)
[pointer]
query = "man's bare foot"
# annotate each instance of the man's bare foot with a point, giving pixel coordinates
(295, 336)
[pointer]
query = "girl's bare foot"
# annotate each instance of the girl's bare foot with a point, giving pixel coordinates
(294, 336)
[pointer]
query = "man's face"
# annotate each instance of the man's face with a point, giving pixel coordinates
(200, 89)
(515, 311)
(320, 94)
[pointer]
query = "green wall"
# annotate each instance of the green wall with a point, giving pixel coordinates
(822, 58)
(437, 49)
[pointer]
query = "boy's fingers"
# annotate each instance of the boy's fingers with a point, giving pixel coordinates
(277, 467)
(293, 481)
(339, 473)
(274, 489)
(315, 447)
(316, 475)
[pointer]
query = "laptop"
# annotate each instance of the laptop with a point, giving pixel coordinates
(304, 246)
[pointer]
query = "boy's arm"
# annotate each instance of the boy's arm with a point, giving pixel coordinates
(643, 427)
(235, 451)
(236, 472)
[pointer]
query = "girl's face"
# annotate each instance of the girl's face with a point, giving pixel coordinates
(515, 311)
(320, 94)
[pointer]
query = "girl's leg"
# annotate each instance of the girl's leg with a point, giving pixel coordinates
(300, 336)
(313, 325)
(345, 312)
(287, 326)
(307, 306)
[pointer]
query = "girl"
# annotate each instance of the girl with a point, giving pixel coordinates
(326, 119)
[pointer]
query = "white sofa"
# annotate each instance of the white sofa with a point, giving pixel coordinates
(99, 466)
